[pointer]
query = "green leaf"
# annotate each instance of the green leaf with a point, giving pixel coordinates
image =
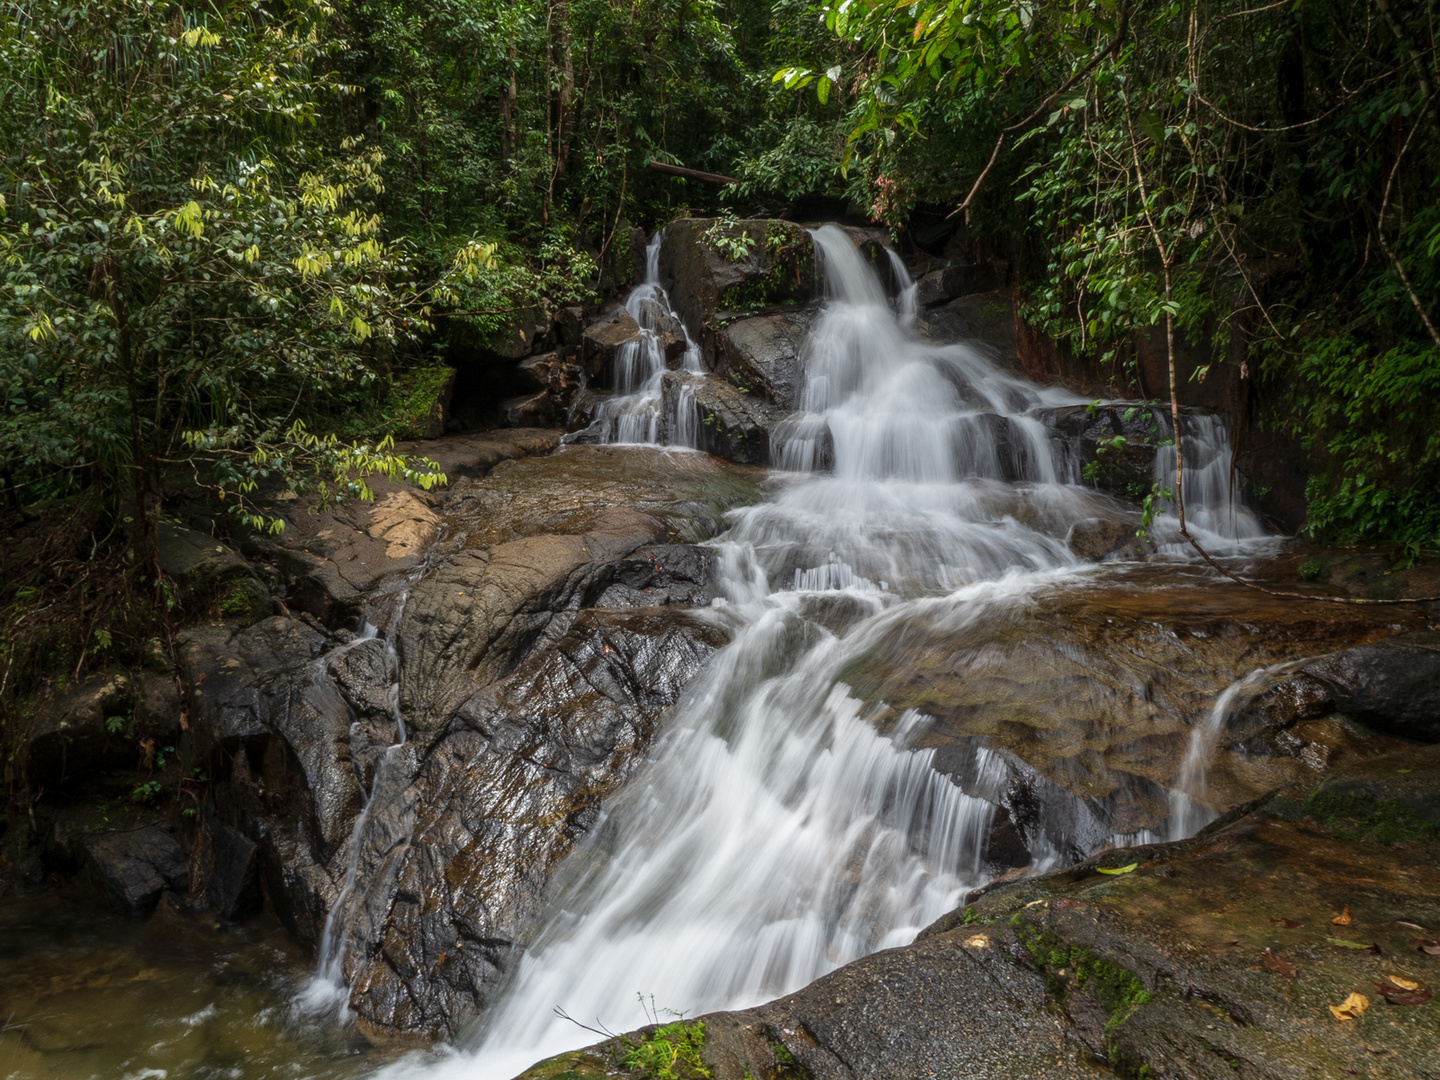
(1115, 870)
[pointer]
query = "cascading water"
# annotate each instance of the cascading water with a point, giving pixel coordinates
(1214, 511)
(777, 834)
(1189, 809)
(785, 826)
(634, 413)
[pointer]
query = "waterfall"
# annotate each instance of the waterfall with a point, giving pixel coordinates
(777, 833)
(1189, 800)
(634, 413)
(1214, 511)
(785, 825)
(326, 989)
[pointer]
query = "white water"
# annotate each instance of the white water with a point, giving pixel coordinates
(635, 414)
(776, 834)
(1190, 810)
(1214, 511)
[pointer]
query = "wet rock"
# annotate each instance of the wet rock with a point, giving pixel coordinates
(570, 325)
(986, 319)
(528, 410)
(951, 282)
(603, 338)
(1098, 538)
(228, 872)
(1166, 971)
(1392, 686)
(264, 683)
(1112, 447)
(554, 373)
(135, 866)
(764, 353)
(701, 280)
(203, 568)
(72, 736)
(330, 559)
(1083, 700)
(458, 863)
(728, 422)
(802, 442)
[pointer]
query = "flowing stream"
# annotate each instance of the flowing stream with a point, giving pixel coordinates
(777, 833)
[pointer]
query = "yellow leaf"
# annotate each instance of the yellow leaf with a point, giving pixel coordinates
(1116, 869)
(1352, 1007)
(1343, 919)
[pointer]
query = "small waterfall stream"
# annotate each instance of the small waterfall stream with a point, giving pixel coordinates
(777, 833)
(634, 414)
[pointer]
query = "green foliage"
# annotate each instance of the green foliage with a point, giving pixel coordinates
(1225, 170)
(183, 261)
(670, 1052)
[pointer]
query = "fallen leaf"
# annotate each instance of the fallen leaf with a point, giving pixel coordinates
(1408, 925)
(1278, 964)
(1224, 944)
(1429, 948)
(1289, 924)
(1343, 919)
(1393, 995)
(1402, 982)
(1068, 903)
(1352, 1007)
(1344, 944)
(979, 941)
(1116, 869)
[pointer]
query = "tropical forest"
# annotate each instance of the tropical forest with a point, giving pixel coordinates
(719, 539)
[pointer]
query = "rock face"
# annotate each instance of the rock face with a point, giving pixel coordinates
(1391, 686)
(136, 866)
(531, 658)
(764, 354)
(1116, 442)
(726, 420)
(1046, 691)
(777, 267)
(1210, 958)
(602, 339)
(985, 318)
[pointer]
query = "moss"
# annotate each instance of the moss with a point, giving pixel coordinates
(413, 399)
(237, 603)
(1354, 815)
(1117, 990)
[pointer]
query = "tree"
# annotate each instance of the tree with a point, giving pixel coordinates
(183, 267)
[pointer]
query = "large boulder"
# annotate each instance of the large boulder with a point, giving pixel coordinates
(986, 319)
(603, 338)
(1111, 447)
(135, 866)
(719, 417)
(777, 267)
(455, 862)
(946, 283)
(1391, 686)
(764, 353)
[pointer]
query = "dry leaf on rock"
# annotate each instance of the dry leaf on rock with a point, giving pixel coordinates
(1352, 1007)
(1289, 924)
(1343, 919)
(1397, 995)
(1278, 964)
(1429, 948)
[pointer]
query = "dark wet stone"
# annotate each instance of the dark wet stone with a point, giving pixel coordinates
(1391, 686)
(729, 422)
(763, 354)
(456, 861)
(135, 866)
(949, 282)
(71, 737)
(986, 319)
(702, 281)
(603, 338)
(229, 882)
(529, 410)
